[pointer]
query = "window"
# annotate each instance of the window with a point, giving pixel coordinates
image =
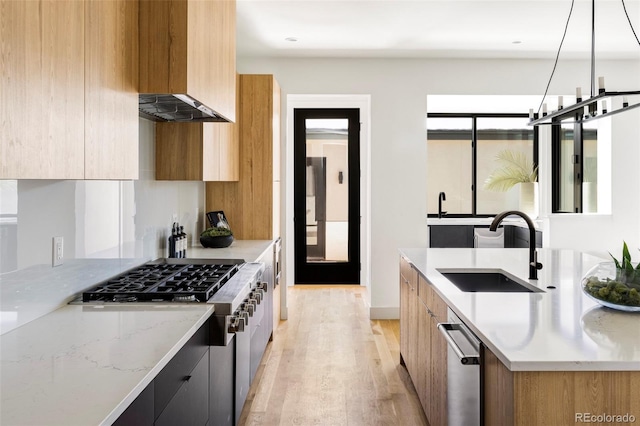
(461, 152)
(575, 168)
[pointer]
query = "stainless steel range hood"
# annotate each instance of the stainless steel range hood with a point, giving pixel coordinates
(168, 107)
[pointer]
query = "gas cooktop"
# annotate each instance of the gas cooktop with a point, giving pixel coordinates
(160, 281)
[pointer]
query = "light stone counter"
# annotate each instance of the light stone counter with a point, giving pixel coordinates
(560, 329)
(84, 365)
(249, 250)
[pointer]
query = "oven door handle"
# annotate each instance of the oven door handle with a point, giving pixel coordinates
(445, 329)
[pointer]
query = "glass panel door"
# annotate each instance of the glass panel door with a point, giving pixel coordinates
(327, 190)
(327, 196)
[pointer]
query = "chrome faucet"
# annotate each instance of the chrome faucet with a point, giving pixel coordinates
(533, 254)
(441, 197)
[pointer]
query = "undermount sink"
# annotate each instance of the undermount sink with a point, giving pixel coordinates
(487, 281)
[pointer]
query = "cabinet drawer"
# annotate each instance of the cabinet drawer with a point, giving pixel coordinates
(425, 292)
(190, 404)
(140, 412)
(172, 377)
(407, 273)
(451, 236)
(438, 307)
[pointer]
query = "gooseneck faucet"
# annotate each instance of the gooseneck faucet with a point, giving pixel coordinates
(533, 254)
(441, 197)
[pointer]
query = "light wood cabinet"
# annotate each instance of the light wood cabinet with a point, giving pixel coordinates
(423, 380)
(529, 398)
(69, 90)
(111, 90)
(252, 204)
(431, 377)
(189, 47)
(438, 373)
(409, 318)
(197, 151)
(42, 90)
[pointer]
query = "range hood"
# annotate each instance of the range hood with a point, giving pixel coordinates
(168, 107)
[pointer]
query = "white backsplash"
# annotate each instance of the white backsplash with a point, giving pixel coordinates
(128, 220)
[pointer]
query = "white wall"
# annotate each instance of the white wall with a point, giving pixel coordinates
(398, 90)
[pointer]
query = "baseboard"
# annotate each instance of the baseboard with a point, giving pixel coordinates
(384, 313)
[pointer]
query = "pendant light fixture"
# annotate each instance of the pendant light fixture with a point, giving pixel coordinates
(601, 103)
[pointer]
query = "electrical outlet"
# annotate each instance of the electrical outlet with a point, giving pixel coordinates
(58, 251)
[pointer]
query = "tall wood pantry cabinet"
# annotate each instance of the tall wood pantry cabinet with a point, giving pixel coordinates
(252, 205)
(69, 98)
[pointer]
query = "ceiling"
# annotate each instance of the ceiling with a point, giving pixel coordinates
(435, 28)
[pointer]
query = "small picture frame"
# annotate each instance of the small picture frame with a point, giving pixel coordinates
(217, 219)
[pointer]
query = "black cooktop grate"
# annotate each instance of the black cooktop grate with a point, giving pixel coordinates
(163, 282)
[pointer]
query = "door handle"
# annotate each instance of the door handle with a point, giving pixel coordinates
(445, 329)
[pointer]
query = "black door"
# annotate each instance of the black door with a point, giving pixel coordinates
(327, 196)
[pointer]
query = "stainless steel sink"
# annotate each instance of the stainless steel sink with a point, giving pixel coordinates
(487, 281)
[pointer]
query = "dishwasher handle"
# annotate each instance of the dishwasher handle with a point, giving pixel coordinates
(445, 328)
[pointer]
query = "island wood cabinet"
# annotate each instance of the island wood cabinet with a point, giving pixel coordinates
(197, 151)
(423, 350)
(409, 317)
(252, 205)
(431, 380)
(69, 97)
(189, 47)
(531, 398)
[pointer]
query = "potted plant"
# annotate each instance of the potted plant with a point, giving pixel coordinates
(615, 284)
(516, 169)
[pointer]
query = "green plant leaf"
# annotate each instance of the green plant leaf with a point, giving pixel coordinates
(615, 261)
(626, 256)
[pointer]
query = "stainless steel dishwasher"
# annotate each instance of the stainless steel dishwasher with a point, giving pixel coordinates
(463, 372)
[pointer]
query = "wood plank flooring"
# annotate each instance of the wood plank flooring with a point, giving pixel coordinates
(330, 365)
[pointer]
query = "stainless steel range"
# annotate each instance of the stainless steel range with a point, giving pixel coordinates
(237, 330)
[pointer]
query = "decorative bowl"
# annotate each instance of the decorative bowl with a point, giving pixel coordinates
(613, 288)
(219, 241)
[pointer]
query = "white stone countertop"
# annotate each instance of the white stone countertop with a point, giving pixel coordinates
(481, 221)
(84, 365)
(560, 329)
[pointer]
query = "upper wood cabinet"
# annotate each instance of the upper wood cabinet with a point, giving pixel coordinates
(41, 90)
(68, 102)
(252, 205)
(111, 90)
(189, 47)
(197, 151)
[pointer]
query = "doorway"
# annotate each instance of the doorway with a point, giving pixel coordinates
(327, 195)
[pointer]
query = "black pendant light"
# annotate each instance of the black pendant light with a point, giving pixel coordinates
(601, 103)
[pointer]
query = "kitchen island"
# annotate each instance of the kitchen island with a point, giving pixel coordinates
(549, 356)
(85, 364)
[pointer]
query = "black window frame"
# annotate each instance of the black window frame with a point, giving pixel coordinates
(474, 154)
(578, 162)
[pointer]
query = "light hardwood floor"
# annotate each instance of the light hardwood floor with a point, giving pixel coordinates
(330, 365)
